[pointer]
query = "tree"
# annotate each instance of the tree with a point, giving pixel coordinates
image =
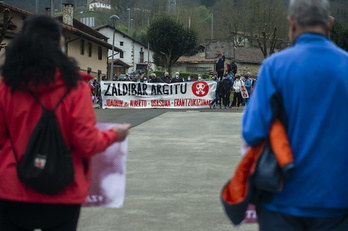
(249, 17)
(197, 18)
(170, 40)
(270, 12)
(122, 5)
(267, 40)
(228, 18)
(339, 35)
(208, 3)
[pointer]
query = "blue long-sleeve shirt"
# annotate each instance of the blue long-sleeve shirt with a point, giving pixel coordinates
(247, 84)
(312, 79)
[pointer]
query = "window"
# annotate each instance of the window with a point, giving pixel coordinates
(66, 49)
(121, 43)
(100, 53)
(141, 55)
(89, 49)
(82, 48)
(121, 54)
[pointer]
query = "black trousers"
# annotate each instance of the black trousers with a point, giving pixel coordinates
(220, 73)
(237, 95)
(20, 216)
(272, 221)
(227, 99)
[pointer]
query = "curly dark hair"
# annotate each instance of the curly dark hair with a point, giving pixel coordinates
(34, 55)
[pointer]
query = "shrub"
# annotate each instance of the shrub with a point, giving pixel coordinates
(183, 75)
(158, 73)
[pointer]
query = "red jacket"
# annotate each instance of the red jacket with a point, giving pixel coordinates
(19, 113)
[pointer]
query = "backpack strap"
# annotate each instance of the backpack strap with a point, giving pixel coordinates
(14, 151)
(37, 100)
(59, 102)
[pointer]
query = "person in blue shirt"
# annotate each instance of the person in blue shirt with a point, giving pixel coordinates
(315, 197)
(189, 79)
(247, 84)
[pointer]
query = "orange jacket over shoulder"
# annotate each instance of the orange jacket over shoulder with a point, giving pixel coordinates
(240, 190)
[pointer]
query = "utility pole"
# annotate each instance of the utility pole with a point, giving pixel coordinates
(131, 26)
(113, 17)
(52, 8)
(212, 26)
(129, 12)
(148, 50)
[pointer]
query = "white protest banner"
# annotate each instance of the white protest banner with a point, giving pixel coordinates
(120, 94)
(250, 215)
(108, 184)
(244, 91)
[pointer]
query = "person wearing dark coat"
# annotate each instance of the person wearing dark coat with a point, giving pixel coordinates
(220, 66)
(177, 78)
(166, 78)
(227, 85)
(219, 95)
(155, 79)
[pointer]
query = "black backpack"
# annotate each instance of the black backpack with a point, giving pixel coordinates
(234, 67)
(47, 164)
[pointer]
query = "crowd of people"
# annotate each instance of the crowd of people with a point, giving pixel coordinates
(228, 92)
(37, 75)
(231, 85)
(156, 79)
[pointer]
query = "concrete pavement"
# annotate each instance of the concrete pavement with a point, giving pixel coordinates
(177, 163)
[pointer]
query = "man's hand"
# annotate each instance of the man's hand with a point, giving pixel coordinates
(122, 131)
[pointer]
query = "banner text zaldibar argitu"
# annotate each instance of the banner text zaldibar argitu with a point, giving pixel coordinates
(139, 89)
(157, 95)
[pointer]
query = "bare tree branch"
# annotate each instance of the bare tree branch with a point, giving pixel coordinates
(273, 41)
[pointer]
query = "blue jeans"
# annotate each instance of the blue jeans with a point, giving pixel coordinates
(273, 221)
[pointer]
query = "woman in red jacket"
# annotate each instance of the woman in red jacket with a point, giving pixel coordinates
(35, 62)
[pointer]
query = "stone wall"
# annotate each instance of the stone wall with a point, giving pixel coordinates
(243, 68)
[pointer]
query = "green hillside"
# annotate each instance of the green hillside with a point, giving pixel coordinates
(29, 5)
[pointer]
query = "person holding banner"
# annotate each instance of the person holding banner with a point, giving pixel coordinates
(166, 78)
(237, 98)
(36, 65)
(247, 85)
(314, 198)
(219, 94)
(177, 78)
(155, 79)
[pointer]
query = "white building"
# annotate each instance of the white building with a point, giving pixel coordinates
(99, 5)
(135, 54)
